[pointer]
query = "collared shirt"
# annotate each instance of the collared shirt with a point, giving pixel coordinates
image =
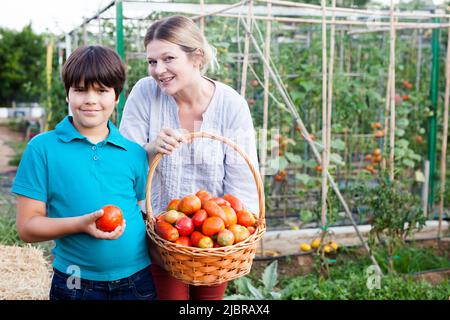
(204, 164)
(74, 176)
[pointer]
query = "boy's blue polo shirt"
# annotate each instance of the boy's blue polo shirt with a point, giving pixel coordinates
(74, 177)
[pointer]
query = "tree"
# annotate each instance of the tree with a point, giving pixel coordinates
(22, 66)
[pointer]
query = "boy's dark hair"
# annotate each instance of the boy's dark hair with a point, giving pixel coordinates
(94, 65)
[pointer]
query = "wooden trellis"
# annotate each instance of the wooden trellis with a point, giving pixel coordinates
(329, 16)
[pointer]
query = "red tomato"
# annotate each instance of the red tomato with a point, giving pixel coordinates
(112, 218)
(199, 217)
(185, 226)
(185, 241)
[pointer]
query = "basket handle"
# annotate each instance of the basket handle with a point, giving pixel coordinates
(201, 134)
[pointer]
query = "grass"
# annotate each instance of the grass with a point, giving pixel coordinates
(19, 148)
(8, 231)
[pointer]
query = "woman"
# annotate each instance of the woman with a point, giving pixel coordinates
(175, 99)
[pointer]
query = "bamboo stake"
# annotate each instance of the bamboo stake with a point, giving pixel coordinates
(202, 19)
(418, 63)
(425, 188)
(392, 89)
(401, 25)
(266, 103)
(360, 11)
(330, 82)
(263, 150)
(444, 137)
(246, 49)
(341, 52)
(324, 119)
(311, 144)
(218, 12)
(386, 113)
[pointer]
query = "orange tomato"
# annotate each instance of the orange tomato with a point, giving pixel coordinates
(225, 238)
(214, 210)
(189, 204)
(173, 205)
(377, 152)
(240, 232)
(231, 217)
(221, 201)
(204, 195)
(195, 237)
(235, 203)
(246, 218)
(212, 225)
(167, 231)
(172, 216)
(376, 125)
(185, 241)
(205, 242)
(278, 178)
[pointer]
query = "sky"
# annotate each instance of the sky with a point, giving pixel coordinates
(57, 16)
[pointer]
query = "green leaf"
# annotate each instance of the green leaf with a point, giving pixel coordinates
(272, 164)
(237, 297)
(403, 122)
(269, 277)
(399, 153)
(415, 156)
(255, 292)
(338, 144)
(402, 143)
(311, 163)
(275, 295)
(337, 159)
(408, 162)
(306, 215)
(307, 85)
(304, 178)
(242, 285)
(283, 163)
(399, 132)
(293, 158)
(419, 176)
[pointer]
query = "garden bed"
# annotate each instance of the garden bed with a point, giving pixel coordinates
(421, 272)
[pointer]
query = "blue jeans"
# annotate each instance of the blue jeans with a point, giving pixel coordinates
(138, 286)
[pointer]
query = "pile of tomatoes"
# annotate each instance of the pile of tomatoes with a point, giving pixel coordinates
(205, 221)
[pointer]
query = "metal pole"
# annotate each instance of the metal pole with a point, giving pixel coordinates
(432, 119)
(121, 51)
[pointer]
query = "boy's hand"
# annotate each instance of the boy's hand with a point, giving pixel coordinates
(88, 226)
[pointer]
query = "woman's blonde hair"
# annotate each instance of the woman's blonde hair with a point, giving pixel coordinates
(184, 32)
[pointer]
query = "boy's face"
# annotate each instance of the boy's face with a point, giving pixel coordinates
(91, 107)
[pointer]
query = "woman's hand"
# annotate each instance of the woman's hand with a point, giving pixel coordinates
(166, 142)
(87, 225)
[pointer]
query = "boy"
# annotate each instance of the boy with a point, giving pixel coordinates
(68, 174)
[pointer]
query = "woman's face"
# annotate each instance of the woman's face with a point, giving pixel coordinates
(172, 68)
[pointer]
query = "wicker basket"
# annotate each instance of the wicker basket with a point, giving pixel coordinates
(210, 266)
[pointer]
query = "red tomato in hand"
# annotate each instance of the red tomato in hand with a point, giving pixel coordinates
(112, 218)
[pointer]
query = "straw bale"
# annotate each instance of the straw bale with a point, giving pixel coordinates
(24, 273)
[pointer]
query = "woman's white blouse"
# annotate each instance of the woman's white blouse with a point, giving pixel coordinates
(205, 163)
